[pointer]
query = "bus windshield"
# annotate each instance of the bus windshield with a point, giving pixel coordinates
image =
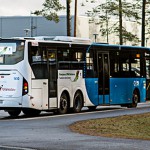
(11, 51)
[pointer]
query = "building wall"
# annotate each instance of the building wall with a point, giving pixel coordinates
(17, 26)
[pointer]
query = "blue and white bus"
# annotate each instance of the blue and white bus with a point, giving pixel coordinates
(65, 73)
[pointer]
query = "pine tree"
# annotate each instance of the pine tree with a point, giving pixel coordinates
(50, 10)
(111, 16)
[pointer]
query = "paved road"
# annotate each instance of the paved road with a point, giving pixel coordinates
(50, 132)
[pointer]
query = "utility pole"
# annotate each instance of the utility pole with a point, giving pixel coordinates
(75, 19)
(143, 24)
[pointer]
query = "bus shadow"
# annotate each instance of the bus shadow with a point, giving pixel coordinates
(84, 110)
(22, 116)
(102, 109)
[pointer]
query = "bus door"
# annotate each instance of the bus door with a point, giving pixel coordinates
(39, 85)
(44, 78)
(52, 65)
(103, 77)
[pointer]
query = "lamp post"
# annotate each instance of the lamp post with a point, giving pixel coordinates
(95, 36)
(27, 31)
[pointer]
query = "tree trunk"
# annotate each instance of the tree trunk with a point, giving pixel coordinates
(120, 22)
(75, 19)
(143, 24)
(68, 18)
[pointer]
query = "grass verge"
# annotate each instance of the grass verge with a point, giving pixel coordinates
(128, 126)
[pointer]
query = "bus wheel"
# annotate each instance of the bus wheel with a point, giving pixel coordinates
(63, 103)
(77, 102)
(92, 108)
(14, 113)
(135, 100)
(31, 112)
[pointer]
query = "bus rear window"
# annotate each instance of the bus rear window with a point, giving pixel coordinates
(11, 52)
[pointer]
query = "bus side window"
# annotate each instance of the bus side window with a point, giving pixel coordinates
(135, 68)
(38, 62)
(40, 70)
(78, 60)
(63, 59)
(148, 69)
(71, 59)
(125, 65)
(89, 66)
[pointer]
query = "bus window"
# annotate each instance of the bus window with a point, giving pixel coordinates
(147, 77)
(39, 62)
(71, 59)
(90, 72)
(79, 56)
(16, 55)
(125, 64)
(89, 62)
(148, 69)
(78, 60)
(135, 67)
(63, 59)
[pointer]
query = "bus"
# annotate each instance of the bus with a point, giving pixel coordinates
(64, 74)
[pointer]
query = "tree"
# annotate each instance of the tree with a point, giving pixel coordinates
(117, 11)
(145, 22)
(50, 10)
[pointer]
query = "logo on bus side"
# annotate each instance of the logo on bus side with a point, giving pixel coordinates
(136, 83)
(71, 76)
(6, 89)
(76, 77)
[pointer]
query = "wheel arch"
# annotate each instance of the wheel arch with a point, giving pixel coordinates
(68, 96)
(137, 91)
(80, 91)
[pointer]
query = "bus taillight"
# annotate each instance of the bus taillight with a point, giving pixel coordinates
(25, 87)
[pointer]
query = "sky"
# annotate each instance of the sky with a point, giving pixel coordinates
(25, 7)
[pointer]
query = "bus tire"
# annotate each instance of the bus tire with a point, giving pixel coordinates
(135, 100)
(77, 102)
(14, 113)
(63, 109)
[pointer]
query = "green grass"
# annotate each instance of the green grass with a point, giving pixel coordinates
(129, 126)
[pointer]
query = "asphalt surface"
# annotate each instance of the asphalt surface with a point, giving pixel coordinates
(51, 132)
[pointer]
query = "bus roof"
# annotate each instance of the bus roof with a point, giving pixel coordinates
(120, 46)
(77, 40)
(57, 38)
